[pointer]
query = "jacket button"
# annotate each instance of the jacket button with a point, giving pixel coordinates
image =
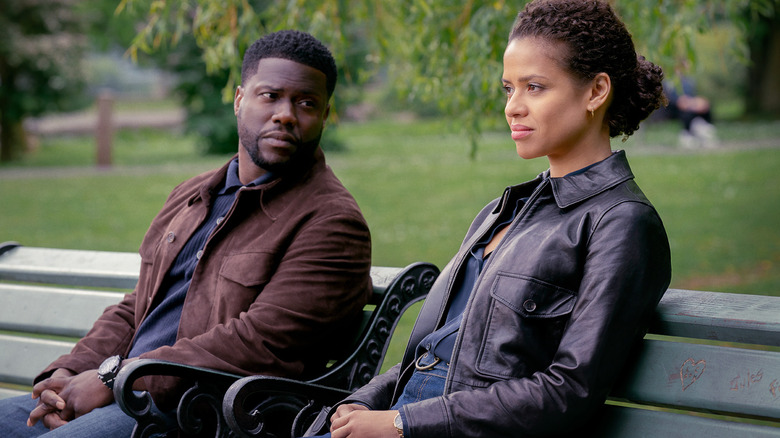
(529, 306)
(171, 237)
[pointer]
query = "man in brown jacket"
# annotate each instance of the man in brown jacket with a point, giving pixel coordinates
(254, 268)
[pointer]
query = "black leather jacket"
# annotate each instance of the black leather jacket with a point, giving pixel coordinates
(553, 316)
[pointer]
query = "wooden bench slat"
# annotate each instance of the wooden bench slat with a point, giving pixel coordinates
(7, 393)
(641, 423)
(752, 319)
(50, 310)
(23, 358)
(70, 267)
(707, 377)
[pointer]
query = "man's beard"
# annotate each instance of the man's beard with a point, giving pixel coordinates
(302, 155)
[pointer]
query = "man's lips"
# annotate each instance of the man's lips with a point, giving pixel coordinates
(280, 139)
(520, 131)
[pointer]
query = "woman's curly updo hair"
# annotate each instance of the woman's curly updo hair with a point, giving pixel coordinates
(597, 42)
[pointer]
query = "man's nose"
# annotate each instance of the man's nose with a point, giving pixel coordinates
(284, 113)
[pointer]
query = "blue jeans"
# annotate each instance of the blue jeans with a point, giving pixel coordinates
(421, 386)
(108, 421)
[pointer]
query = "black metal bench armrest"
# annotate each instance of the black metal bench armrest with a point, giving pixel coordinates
(263, 406)
(266, 406)
(408, 286)
(199, 409)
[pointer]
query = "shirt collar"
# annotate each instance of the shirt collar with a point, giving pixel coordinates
(232, 182)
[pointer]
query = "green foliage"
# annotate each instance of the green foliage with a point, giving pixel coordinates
(41, 46)
(203, 42)
(439, 51)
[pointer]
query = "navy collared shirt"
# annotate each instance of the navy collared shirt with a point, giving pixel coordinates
(442, 341)
(162, 325)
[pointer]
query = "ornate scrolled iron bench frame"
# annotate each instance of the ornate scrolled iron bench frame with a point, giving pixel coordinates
(200, 409)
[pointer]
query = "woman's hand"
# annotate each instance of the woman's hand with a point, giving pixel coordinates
(358, 421)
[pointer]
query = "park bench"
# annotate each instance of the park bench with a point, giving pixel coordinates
(708, 368)
(51, 297)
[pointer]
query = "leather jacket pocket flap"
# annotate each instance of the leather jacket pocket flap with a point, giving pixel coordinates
(249, 269)
(532, 298)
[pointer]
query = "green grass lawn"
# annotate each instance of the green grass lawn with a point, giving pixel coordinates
(419, 191)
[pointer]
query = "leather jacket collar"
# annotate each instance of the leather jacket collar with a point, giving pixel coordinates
(608, 173)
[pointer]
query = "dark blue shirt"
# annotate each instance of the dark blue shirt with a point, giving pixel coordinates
(162, 324)
(442, 341)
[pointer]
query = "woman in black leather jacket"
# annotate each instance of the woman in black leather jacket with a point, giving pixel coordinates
(528, 326)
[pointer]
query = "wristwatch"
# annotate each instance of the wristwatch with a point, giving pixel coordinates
(108, 370)
(399, 425)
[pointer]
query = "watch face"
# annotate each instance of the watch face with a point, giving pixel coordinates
(109, 365)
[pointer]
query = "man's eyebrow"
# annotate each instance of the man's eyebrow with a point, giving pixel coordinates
(276, 89)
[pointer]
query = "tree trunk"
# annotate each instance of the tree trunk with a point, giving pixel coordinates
(13, 139)
(763, 88)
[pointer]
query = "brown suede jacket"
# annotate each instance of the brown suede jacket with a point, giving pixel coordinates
(280, 281)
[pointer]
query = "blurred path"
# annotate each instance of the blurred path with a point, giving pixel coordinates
(85, 122)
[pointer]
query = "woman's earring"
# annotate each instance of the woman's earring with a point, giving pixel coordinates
(592, 115)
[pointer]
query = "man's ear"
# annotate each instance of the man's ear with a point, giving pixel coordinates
(327, 113)
(600, 91)
(237, 99)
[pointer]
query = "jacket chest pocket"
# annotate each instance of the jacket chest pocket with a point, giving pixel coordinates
(525, 322)
(240, 280)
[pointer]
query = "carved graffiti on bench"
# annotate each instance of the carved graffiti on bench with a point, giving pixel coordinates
(690, 371)
(744, 381)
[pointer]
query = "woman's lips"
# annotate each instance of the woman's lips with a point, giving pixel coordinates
(520, 131)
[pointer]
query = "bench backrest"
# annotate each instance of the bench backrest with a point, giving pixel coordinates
(706, 353)
(51, 298)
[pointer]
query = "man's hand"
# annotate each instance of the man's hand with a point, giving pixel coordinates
(358, 421)
(62, 399)
(49, 402)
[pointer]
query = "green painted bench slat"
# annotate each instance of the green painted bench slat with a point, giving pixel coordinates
(69, 267)
(23, 358)
(624, 422)
(50, 310)
(706, 378)
(744, 318)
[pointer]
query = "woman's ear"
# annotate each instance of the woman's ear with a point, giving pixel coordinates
(600, 91)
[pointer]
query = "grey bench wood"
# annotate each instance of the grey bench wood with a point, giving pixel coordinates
(51, 297)
(708, 368)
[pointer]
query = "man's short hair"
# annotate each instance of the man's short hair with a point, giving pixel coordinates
(295, 46)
